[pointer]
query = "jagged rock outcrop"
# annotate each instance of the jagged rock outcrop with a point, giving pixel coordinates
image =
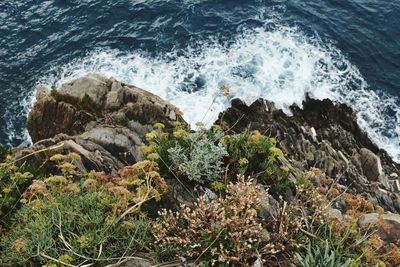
(96, 100)
(103, 120)
(323, 134)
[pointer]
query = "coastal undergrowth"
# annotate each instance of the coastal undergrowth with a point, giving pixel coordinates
(64, 215)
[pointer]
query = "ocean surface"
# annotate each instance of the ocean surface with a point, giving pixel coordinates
(346, 50)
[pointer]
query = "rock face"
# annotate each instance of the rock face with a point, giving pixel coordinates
(323, 134)
(105, 121)
(101, 119)
(71, 110)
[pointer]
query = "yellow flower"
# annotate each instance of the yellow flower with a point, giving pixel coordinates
(6, 190)
(56, 180)
(153, 156)
(159, 126)
(218, 186)
(256, 136)
(180, 133)
(141, 164)
(272, 141)
(83, 241)
(151, 136)
(145, 149)
(65, 258)
(216, 128)
(276, 152)
(225, 141)
(21, 176)
(243, 162)
(67, 168)
(57, 157)
(177, 123)
(74, 156)
(8, 158)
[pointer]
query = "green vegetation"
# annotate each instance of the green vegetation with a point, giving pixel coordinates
(123, 121)
(225, 230)
(73, 218)
(320, 256)
(55, 214)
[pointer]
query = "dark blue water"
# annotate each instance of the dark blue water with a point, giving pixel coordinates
(347, 50)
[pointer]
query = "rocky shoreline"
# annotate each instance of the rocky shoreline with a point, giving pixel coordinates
(322, 134)
(105, 122)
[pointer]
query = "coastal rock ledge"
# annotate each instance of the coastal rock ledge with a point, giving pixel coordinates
(105, 121)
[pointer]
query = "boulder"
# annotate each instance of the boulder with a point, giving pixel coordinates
(103, 120)
(388, 224)
(371, 164)
(49, 117)
(269, 208)
(93, 98)
(95, 86)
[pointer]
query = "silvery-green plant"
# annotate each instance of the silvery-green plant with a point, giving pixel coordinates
(322, 258)
(201, 160)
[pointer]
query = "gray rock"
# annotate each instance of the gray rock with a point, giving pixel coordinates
(390, 232)
(103, 145)
(138, 262)
(334, 213)
(113, 102)
(343, 151)
(269, 208)
(371, 164)
(92, 85)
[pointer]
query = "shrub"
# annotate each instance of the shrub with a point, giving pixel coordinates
(225, 230)
(203, 155)
(200, 159)
(255, 155)
(13, 182)
(81, 218)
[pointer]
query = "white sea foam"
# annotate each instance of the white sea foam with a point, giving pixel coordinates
(280, 65)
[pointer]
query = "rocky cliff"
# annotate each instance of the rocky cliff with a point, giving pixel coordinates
(325, 135)
(110, 126)
(102, 125)
(103, 120)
